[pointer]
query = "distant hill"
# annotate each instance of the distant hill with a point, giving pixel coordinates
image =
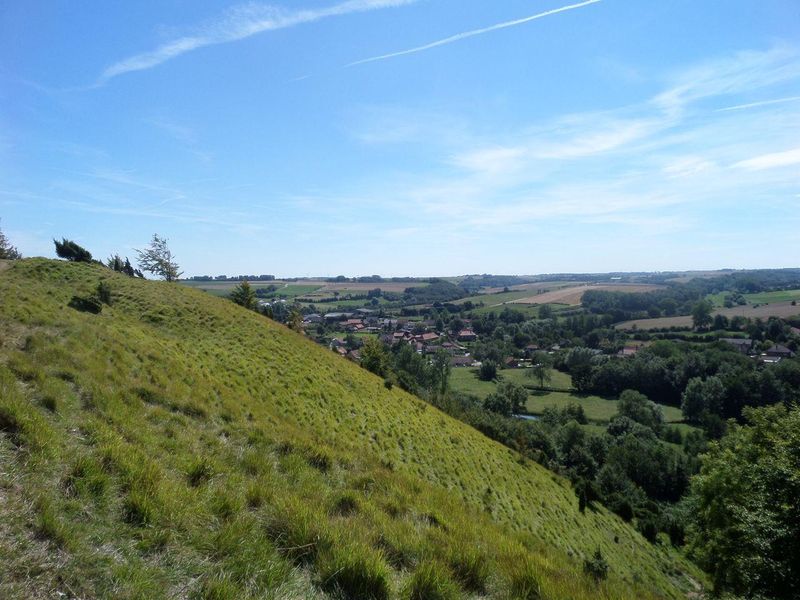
(177, 445)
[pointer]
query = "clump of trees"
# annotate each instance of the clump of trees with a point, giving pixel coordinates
(158, 259)
(7, 251)
(69, 250)
(403, 366)
(115, 263)
(744, 517)
(509, 399)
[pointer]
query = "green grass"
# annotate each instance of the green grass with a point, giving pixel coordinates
(758, 298)
(224, 288)
(597, 409)
(499, 298)
(200, 450)
(768, 297)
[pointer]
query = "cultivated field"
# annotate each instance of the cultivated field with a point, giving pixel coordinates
(573, 295)
(534, 287)
(763, 311)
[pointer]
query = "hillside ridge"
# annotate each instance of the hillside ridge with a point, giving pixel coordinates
(189, 407)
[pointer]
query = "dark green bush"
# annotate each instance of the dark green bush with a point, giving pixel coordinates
(90, 304)
(104, 292)
(596, 567)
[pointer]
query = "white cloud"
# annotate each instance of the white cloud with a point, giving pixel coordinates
(491, 160)
(770, 161)
(743, 72)
(655, 164)
(686, 166)
(239, 23)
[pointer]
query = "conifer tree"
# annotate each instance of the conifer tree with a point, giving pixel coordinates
(243, 295)
(71, 251)
(7, 251)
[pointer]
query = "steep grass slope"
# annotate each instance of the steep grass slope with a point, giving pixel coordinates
(176, 445)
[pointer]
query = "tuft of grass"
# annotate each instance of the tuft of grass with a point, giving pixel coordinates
(354, 571)
(345, 504)
(431, 581)
(50, 526)
(154, 539)
(255, 495)
(85, 476)
(296, 530)
(140, 508)
(224, 504)
(10, 423)
(199, 472)
(470, 567)
(523, 580)
(319, 458)
(219, 587)
(19, 420)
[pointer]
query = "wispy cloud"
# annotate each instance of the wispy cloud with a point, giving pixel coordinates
(772, 160)
(737, 74)
(662, 164)
(237, 24)
(475, 32)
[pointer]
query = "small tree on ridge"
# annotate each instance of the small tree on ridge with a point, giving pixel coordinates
(158, 260)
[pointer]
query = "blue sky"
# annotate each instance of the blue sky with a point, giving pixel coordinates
(398, 137)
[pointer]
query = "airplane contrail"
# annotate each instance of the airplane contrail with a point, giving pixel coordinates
(756, 104)
(473, 33)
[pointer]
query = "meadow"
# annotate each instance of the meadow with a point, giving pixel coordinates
(558, 395)
(222, 289)
(177, 445)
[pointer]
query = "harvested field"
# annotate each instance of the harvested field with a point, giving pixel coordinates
(573, 295)
(763, 311)
(534, 287)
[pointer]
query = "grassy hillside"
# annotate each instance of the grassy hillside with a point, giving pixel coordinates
(176, 445)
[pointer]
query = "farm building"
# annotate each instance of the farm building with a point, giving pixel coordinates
(462, 361)
(467, 335)
(779, 351)
(742, 345)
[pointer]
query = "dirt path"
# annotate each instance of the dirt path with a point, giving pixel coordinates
(4, 264)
